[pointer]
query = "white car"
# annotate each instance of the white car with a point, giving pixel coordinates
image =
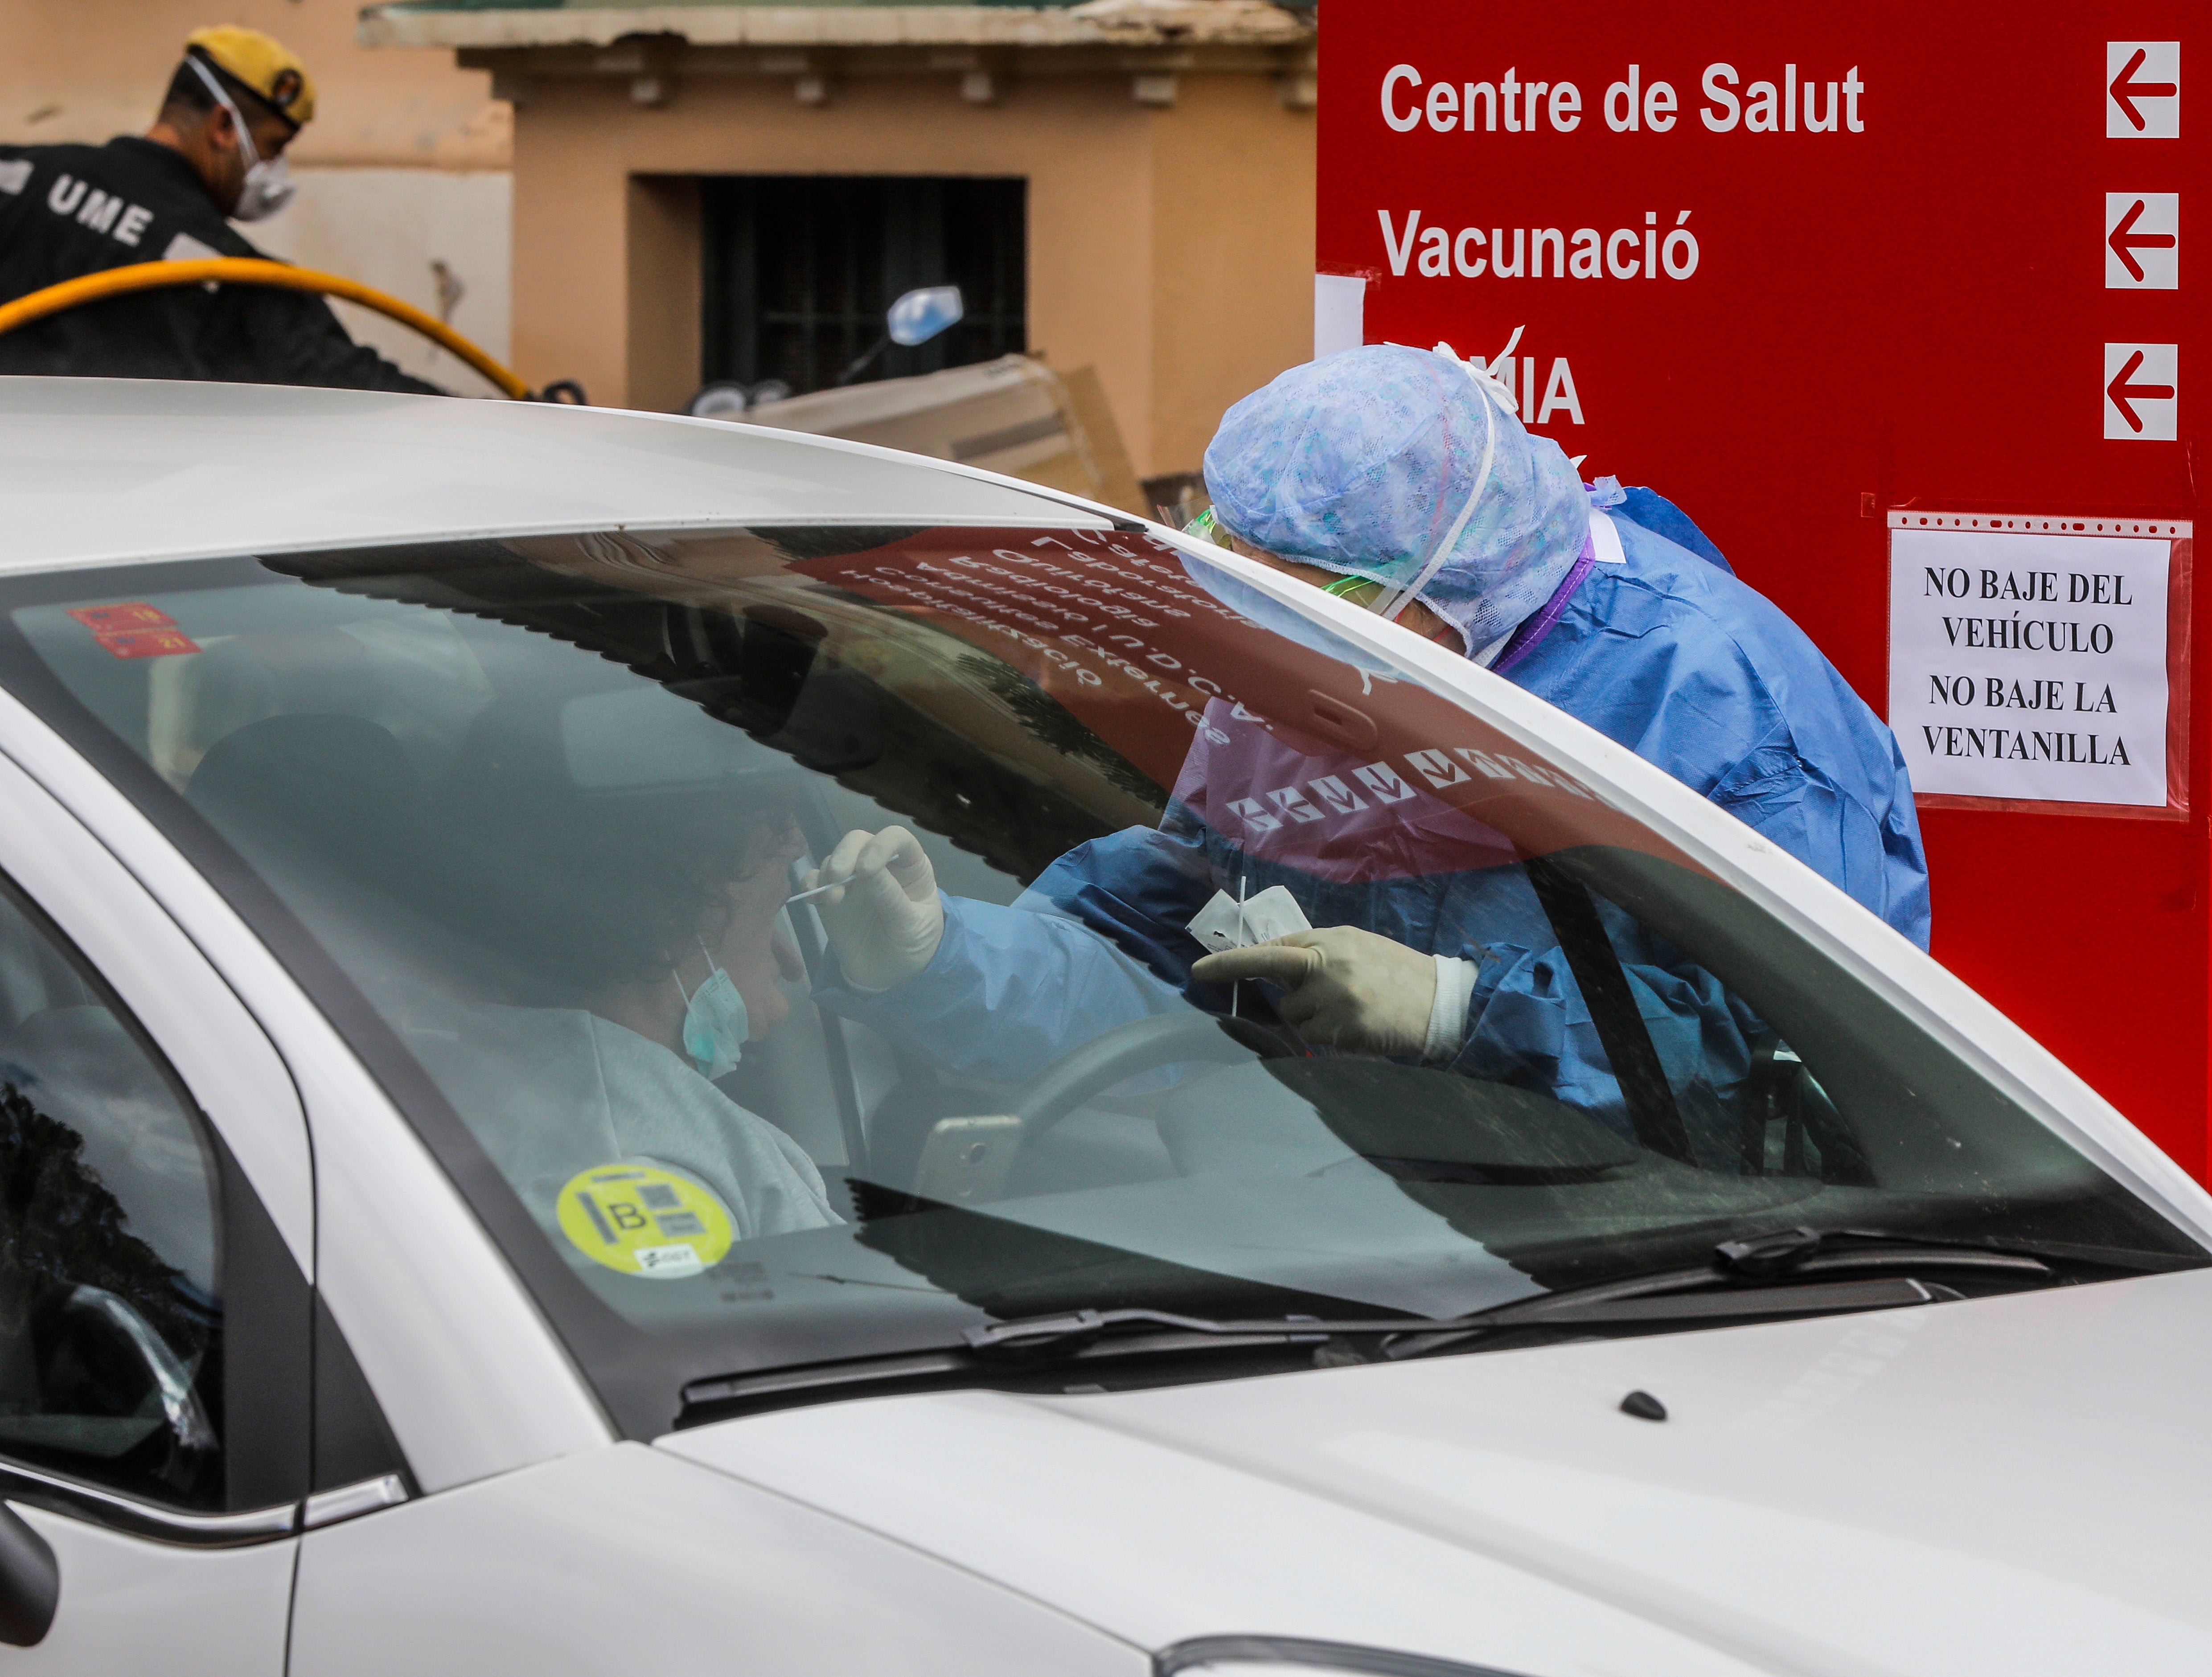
(459, 1213)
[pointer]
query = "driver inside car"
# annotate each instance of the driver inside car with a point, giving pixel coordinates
(666, 971)
(625, 947)
(1403, 480)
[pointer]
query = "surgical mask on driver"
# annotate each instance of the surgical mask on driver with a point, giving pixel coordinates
(269, 184)
(715, 1022)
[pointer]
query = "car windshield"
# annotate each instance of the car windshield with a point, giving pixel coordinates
(536, 821)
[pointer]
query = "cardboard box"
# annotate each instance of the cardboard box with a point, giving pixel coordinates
(1013, 415)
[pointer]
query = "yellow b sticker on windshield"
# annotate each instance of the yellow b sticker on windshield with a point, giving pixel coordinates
(641, 1220)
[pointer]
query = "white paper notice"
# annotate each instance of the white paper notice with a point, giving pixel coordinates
(2030, 664)
(1339, 313)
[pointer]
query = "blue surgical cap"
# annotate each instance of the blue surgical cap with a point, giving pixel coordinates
(1362, 461)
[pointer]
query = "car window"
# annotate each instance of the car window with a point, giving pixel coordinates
(111, 1297)
(535, 821)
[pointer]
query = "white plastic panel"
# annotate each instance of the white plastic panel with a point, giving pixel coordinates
(625, 1560)
(128, 1605)
(468, 1373)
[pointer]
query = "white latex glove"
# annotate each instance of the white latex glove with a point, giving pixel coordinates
(883, 917)
(1355, 991)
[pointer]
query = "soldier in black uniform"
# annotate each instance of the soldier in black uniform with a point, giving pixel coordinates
(215, 153)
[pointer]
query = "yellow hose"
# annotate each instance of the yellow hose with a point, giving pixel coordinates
(246, 270)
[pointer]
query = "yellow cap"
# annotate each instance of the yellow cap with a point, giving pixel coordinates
(267, 66)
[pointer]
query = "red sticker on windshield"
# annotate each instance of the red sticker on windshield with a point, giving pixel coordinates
(132, 614)
(135, 629)
(147, 642)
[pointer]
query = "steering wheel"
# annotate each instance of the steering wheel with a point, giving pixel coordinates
(1142, 1045)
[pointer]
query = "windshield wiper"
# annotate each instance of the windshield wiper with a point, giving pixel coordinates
(1075, 1331)
(1772, 1273)
(1072, 1338)
(1066, 1336)
(1797, 1272)
(1752, 1263)
(995, 1350)
(1674, 1295)
(1813, 1251)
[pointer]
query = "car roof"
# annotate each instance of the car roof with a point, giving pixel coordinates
(95, 470)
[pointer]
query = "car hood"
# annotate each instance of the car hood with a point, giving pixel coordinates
(2012, 1484)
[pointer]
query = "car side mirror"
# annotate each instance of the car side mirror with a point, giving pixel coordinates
(30, 1582)
(918, 316)
(915, 318)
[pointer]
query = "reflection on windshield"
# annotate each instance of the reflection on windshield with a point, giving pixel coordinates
(831, 937)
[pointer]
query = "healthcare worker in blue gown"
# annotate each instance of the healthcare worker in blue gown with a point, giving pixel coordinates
(1402, 479)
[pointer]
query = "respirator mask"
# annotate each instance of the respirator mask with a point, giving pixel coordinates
(269, 184)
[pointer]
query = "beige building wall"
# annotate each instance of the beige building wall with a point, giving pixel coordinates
(402, 169)
(436, 238)
(89, 69)
(1169, 247)
(1232, 216)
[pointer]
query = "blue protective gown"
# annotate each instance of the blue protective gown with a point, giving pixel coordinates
(1691, 670)
(1666, 653)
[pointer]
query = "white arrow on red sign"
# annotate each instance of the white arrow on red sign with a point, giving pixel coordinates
(2140, 400)
(2141, 241)
(2142, 86)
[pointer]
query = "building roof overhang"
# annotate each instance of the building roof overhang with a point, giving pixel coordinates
(1151, 40)
(1094, 23)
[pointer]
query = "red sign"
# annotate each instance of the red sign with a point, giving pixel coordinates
(131, 614)
(1797, 267)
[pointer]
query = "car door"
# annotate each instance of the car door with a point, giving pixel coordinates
(157, 1329)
